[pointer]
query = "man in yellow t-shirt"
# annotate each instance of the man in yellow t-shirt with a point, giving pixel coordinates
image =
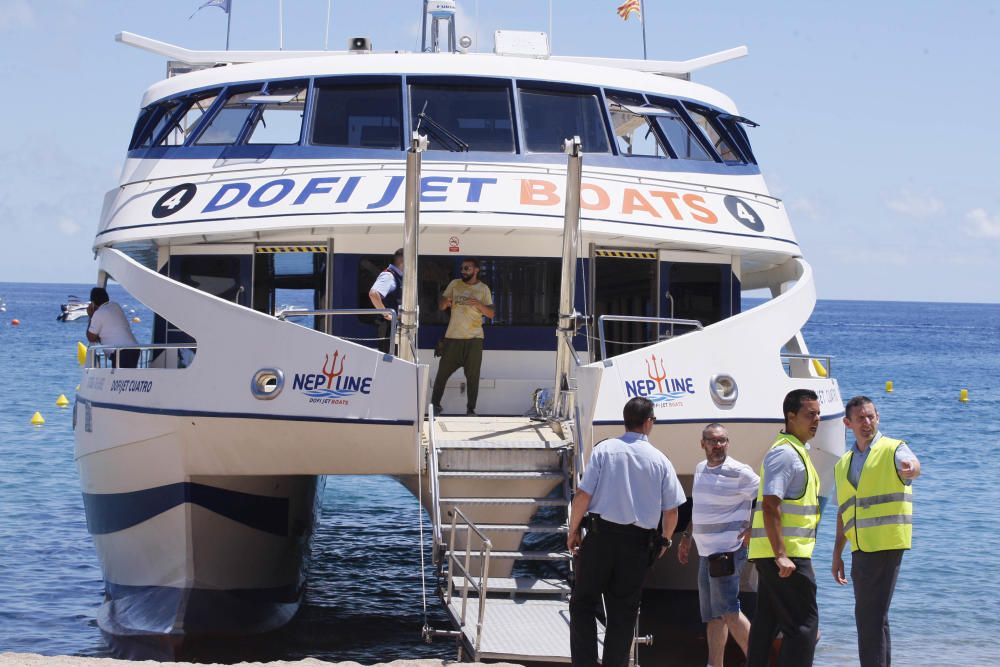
(470, 301)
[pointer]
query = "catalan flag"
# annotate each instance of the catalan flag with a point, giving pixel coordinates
(626, 8)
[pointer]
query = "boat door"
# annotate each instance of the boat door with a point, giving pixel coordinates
(292, 277)
(625, 283)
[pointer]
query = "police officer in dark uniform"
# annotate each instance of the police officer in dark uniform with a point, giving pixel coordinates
(387, 292)
(628, 489)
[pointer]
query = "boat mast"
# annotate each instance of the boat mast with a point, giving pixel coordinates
(411, 248)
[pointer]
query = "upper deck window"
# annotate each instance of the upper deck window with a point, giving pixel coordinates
(358, 114)
(685, 143)
(278, 116)
(633, 130)
(704, 118)
(195, 108)
(151, 123)
(552, 116)
(464, 116)
(227, 124)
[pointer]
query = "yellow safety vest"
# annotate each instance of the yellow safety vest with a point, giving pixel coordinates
(878, 515)
(799, 516)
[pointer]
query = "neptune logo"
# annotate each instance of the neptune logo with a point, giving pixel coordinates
(331, 385)
(659, 387)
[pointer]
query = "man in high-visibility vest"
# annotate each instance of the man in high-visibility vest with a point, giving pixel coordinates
(876, 515)
(782, 538)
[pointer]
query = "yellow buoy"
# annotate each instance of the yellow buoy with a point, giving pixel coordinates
(37, 419)
(888, 386)
(963, 396)
(81, 353)
(62, 401)
(820, 368)
(136, 320)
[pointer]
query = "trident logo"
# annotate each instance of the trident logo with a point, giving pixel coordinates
(661, 373)
(333, 371)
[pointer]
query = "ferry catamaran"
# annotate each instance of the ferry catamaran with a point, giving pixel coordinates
(619, 214)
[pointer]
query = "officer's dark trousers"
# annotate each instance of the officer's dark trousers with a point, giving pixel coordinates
(613, 564)
(383, 328)
(874, 575)
(787, 605)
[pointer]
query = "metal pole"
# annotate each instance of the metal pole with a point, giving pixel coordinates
(281, 25)
(567, 314)
(411, 249)
(229, 23)
(642, 20)
(423, 30)
(326, 36)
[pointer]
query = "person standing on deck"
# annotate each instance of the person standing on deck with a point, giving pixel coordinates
(722, 493)
(109, 327)
(876, 515)
(387, 292)
(470, 301)
(628, 488)
(782, 539)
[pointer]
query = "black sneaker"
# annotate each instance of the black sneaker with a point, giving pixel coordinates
(470, 413)
(437, 410)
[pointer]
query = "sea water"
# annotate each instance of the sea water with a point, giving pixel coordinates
(365, 598)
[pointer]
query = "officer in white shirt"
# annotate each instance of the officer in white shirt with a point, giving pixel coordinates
(109, 327)
(722, 495)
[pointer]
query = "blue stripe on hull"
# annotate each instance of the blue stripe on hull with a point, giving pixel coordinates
(112, 512)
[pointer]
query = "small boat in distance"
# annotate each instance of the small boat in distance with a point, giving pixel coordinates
(73, 309)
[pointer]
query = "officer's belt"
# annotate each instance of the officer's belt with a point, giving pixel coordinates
(599, 525)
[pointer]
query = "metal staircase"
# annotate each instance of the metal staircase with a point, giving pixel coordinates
(503, 488)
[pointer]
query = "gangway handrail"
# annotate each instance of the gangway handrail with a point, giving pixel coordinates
(637, 318)
(102, 351)
(295, 312)
(435, 487)
(481, 588)
(807, 356)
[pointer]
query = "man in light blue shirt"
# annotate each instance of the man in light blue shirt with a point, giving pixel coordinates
(629, 489)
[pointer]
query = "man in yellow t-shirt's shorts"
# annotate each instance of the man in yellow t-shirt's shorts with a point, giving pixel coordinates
(470, 301)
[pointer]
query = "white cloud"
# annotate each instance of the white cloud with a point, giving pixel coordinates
(15, 14)
(915, 205)
(982, 224)
(805, 207)
(68, 226)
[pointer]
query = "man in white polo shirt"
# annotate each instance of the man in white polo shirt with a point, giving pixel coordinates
(109, 327)
(722, 494)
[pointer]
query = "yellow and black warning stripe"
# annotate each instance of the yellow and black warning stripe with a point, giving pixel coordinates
(270, 249)
(627, 254)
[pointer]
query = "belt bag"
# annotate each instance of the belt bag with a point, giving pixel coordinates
(722, 564)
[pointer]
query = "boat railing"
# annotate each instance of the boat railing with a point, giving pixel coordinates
(455, 564)
(150, 355)
(432, 469)
(333, 312)
(672, 321)
(797, 365)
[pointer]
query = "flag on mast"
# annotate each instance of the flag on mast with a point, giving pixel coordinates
(626, 9)
(224, 5)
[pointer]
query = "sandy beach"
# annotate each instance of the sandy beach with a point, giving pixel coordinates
(35, 660)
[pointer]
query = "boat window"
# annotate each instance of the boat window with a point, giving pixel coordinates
(196, 107)
(152, 121)
(735, 125)
(684, 142)
(552, 116)
(278, 118)
(463, 117)
(227, 124)
(720, 143)
(633, 131)
(358, 115)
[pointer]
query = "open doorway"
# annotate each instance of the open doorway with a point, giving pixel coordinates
(288, 278)
(625, 283)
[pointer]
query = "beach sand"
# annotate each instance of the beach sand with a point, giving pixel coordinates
(35, 660)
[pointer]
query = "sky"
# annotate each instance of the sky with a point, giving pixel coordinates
(876, 118)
